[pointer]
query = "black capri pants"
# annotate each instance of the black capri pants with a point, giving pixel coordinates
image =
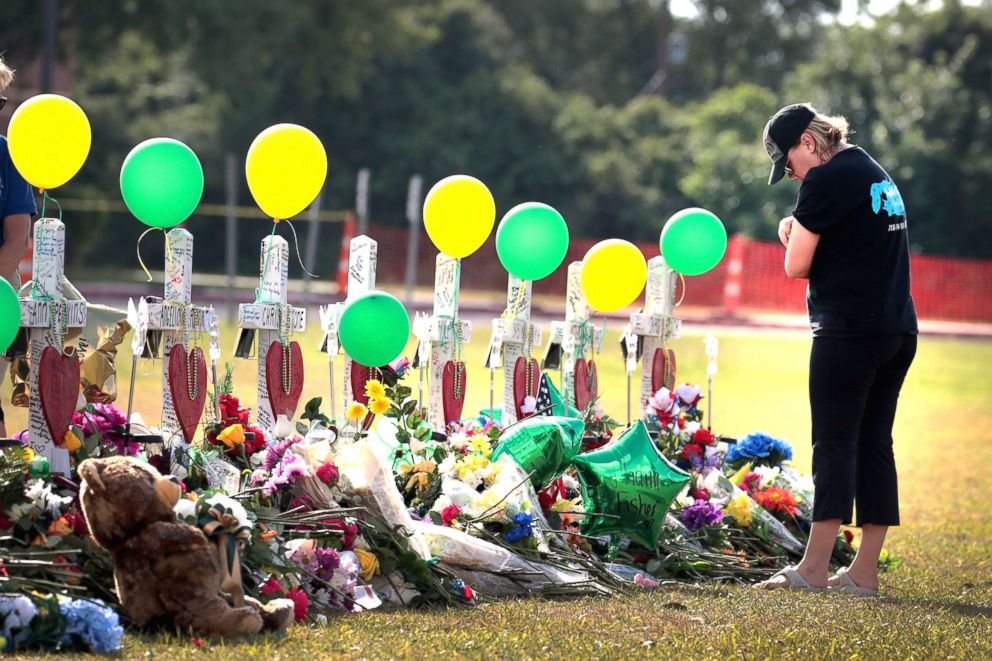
(854, 385)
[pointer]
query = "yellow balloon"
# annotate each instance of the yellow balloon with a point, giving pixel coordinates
(285, 168)
(49, 140)
(459, 214)
(614, 273)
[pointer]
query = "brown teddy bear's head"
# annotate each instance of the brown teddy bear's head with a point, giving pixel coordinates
(121, 495)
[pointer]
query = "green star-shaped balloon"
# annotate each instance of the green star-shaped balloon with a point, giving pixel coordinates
(628, 485)
(543, 445)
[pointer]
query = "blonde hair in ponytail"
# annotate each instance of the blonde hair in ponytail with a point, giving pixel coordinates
(827, 132)
(6, 75)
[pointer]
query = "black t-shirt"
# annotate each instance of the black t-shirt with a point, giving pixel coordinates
(859, 279)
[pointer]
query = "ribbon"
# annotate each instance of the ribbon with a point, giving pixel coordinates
(168, 250)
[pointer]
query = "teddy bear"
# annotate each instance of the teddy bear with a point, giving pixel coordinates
(165, 571)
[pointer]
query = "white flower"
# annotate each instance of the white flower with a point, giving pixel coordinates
(16, 613)
(569, 482)
(529, 406)
(447, 467)
(692, 427)
(768, 475)
(417, 446)
(457, 440)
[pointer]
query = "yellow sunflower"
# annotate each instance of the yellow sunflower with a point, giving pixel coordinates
(356, 411)
(375, 390)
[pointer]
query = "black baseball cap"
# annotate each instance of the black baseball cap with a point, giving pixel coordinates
(782, 132)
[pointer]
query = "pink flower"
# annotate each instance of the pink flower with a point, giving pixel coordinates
(688, 395)
(301, 603)
(449, 514)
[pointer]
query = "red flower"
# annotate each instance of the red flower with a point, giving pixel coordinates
(549, 496)
(77, 522)
(232, 412)
(253, 445)
(350, 531)
(777, 501)
(197, 642)
(849, 536)
(751, 483)
(301, 603)
(469, 594)
(691, 450)
(701, 493)
(328, 474)
(449, 514)
(272, 586)
(703, 436)
(681, 422)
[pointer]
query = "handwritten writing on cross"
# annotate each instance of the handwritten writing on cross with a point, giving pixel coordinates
(362, 263)
(514, 336)
(271, 316)
(447, 335)
(655, 324)
(177, 319)
(48, 316)
(575, 336)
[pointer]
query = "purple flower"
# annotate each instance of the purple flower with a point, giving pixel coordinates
(290, 469)
(275, 452)
(701, 514)
(106, 420)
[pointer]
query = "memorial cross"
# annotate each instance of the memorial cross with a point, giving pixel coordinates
(54, 371)
(448, 334)
(654, 326)
(362, 262)
(280, 361)
(184, 371)
(572, 340)
(513, 338)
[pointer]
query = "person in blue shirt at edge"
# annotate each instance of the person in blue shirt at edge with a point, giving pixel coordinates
(848, 236)
(16, 209)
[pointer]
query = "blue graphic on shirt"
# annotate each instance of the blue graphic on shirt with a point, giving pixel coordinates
(885, 195)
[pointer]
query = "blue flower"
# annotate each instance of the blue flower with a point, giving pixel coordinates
(523, 528)
(760, 448)
(93, 624)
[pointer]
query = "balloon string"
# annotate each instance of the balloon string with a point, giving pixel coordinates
(265, 266)
(682, 297)
(137, 249)
(296, 242)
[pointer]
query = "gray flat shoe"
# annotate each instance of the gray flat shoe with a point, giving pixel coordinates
(848, 586)
(794, 581)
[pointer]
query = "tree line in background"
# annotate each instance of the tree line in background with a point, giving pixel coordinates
(616, 112)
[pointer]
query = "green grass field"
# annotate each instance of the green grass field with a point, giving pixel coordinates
(938, 604)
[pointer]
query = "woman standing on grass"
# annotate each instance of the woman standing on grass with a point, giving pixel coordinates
(848, 236)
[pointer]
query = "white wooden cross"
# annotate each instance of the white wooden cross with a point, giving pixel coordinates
(654, 324)
(447, 334)
(514, 336)
(48, 315)
(568, 335)
(177, 319)
(270, 316)
(362, 262)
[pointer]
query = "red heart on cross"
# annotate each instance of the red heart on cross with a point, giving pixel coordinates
(58, 390)
(663, 370)
(282, 365)
(526, 381)
(189, 390)
(360, 375)
(452, 397)
(586, 383)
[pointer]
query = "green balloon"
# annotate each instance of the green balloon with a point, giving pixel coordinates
(628, 485)
(374, 328)
(558, 404)
(532, 240)
(162, 182)
(10, 314)
(693, 241)
(545, 445)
